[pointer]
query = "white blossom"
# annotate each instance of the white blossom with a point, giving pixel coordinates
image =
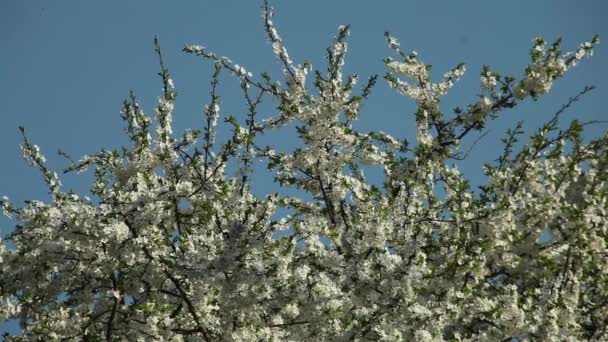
(173, 244)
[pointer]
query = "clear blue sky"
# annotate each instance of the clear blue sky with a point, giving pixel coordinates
(66, 66)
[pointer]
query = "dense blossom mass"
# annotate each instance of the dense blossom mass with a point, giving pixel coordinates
(174, 246)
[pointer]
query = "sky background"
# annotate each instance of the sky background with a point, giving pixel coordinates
(66, 67)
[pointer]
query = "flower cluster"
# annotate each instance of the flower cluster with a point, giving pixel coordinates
(547, 65)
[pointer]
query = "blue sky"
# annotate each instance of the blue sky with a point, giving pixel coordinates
(66, 66)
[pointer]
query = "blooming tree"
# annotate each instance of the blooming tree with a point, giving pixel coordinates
(174, 247)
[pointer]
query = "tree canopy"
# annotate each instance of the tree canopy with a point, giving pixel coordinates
(173, 246)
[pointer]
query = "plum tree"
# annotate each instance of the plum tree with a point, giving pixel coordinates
(174, 247)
